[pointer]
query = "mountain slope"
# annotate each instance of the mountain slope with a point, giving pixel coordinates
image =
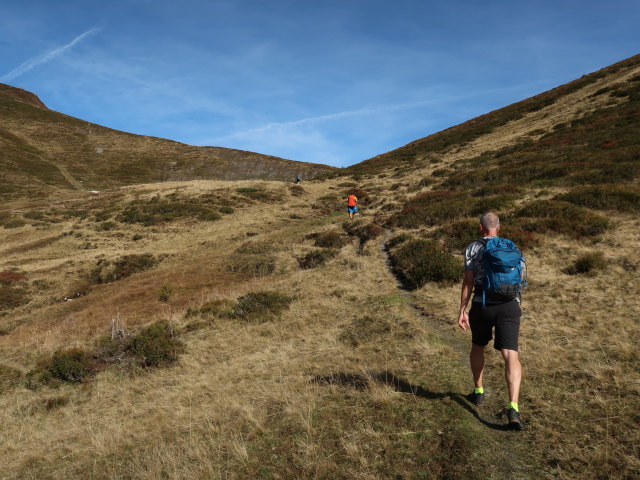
(265, 336)
(41, 150)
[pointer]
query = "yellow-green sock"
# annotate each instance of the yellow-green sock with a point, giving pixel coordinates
(514, 405)
(478, 390)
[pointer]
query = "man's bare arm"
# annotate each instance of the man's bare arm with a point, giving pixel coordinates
(465, 295)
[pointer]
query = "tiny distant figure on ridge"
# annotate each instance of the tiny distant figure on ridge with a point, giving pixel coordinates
(352, 205)
(298, 178)
(495, 273)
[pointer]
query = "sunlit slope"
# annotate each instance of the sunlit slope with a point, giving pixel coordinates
(595, 117)
(41, 150)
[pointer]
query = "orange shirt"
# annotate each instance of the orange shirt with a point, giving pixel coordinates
(351, 201)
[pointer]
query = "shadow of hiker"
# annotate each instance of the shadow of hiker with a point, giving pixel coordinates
(361, 382)
(402, 386)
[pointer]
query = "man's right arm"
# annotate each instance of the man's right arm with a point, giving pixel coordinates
(465, 295)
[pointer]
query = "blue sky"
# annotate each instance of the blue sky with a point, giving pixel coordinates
(332, 81)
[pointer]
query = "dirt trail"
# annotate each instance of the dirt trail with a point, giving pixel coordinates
(65, 173)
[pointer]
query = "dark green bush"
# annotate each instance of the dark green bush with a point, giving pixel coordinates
(158, 211)
(261, 306)
(331, 239)
(398, 239)
(457, 235)
(226, 210)
(156, 345)
(422, 261)
(106, 272)
(623, 198)
(315, 258)
(588, 264)
(71, 365)
(164, 293)
(106, 226)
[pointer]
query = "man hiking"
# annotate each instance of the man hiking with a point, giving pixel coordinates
(490, 310)
(352, 205)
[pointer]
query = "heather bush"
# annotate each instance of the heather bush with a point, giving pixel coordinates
(71, 365)
(226, 210)
(218, 307)
(315, 258)
(588, 264)
(154, 346)
(362, 231)
(261, 306)
(330, 239)
(458, 234)
(543, 216)
(297, 191)
(432, 208)
(623, 198)
(397, 240)
(12, 296)
(107, 271)
(422, 261)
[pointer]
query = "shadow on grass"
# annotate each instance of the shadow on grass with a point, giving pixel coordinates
(361, 382)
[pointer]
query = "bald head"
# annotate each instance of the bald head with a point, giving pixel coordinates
(490, 223)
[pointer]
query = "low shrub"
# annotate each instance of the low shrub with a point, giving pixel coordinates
(419, 262)
(261, 306)
(12, 297)
(543, 216)
(71, 365)
(330, 203)
(156, 345)
(363, 232)
(315, 258)
(457, 235)
(10, 277)
(330, 239)
(164, 293)
(226, 210)
(623, 198)
(259, 194)
(17, 223)
(432, 208)
(106, 271)
(587, 264)
(106, 226)
(254, 265)
(398, 239)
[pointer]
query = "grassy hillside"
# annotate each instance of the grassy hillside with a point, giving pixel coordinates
(246, 329)
(42, 150)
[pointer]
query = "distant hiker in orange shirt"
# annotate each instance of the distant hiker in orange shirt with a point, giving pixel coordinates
(352, 206)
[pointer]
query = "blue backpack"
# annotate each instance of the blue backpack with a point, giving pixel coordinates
(504, 269)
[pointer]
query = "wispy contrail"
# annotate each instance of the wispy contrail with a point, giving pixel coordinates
(45, 57)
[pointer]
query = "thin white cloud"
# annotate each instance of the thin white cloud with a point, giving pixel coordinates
(282, 126)
(45, 57)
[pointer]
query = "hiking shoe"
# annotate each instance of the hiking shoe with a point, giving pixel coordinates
(514, 419)
(476, 398)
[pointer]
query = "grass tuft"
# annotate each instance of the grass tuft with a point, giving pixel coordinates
(263, 306)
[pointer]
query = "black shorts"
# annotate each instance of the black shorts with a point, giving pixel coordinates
(505, 317)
